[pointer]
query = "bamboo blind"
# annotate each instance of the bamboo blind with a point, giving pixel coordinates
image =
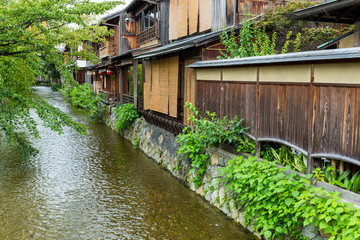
(164, 86)
(173, 19)
(182, 19)
(193, 15)
(173, 85)
(205, 15)
(147, 85)
(155, 88)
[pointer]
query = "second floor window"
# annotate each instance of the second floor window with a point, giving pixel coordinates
(148, 18)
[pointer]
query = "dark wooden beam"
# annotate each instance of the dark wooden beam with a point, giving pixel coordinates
(135, 82)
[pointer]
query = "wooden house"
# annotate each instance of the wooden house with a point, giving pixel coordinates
(163, 37)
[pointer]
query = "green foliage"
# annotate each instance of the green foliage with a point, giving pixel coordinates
(287, 157)
(318, 174)
(125, 116)
(252, 41)
(209, 131)
(55, 87)
(82, 96)
(279, 205)
(259, 37)
(30, 31)
(343, 180)
(131, 80)
(246, 145)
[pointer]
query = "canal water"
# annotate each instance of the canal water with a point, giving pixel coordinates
(97, 186)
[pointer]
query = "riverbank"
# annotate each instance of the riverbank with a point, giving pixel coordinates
(162, 147)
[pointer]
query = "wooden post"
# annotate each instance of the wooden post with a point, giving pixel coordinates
(257, 148)
(135, 82)
(120, 84)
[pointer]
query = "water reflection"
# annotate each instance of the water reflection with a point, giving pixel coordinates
(97, 186)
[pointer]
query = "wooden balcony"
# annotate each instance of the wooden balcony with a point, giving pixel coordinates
(147, 35)
(108, 50)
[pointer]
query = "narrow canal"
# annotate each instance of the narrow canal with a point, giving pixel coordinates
(97, 186)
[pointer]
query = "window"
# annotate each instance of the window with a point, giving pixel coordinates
(148, 18)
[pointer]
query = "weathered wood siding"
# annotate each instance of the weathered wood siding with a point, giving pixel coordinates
(161, 85)
(189, 87)
(314, 107)
(126, 35)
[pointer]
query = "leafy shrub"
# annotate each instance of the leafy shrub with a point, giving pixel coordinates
(125, 116)
(55, 86)
(209, 131)
(279, 205)
(82, 96)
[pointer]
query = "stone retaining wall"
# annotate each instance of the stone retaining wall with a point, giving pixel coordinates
(162, 147)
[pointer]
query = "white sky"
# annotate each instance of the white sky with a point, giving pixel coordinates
(118, 8)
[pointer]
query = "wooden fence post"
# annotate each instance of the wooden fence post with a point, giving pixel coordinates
(135, 82)
(120, 83)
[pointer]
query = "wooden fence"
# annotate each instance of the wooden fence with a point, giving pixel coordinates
(313, 107)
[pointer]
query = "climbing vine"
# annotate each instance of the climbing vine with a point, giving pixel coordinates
(279, 205)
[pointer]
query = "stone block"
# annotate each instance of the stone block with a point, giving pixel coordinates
(214, 160)
(233, 211)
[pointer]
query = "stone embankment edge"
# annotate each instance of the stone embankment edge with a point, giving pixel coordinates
(161, 146)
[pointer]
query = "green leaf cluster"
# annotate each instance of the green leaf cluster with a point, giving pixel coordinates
(206, 131)
(343, 180)
(125, 116)
(31, 32)
(279, 205)
(83, 96)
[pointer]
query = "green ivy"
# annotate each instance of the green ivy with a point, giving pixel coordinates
(125, 116)
(279, 205)
(208, 131)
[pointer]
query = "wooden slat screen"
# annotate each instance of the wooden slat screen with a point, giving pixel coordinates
(155, 88)
(173, 85)
(147, 85)
(164, 86)
(162, 82)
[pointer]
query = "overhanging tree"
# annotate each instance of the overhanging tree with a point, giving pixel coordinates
(30, 32)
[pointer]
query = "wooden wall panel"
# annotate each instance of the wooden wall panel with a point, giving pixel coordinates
(173, 19)
(284, 113)
(189, 88)
(336, 121)
(173, 85)
(208, 96)
(240, 100)
(193, 6)
(147, 85)
(205, 15)
(164, 86)
(155, 88)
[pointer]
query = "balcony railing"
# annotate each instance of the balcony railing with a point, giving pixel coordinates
(108, 50)
(111, 97)
(147, 35)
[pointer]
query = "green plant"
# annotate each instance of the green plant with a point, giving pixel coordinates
(206, 132)
(279, 205)
(343, 180)
(55, 86)
(82, 96)
(247, 145)
(137, 143)
(125, 116)
(286, 157)
(318, 174)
